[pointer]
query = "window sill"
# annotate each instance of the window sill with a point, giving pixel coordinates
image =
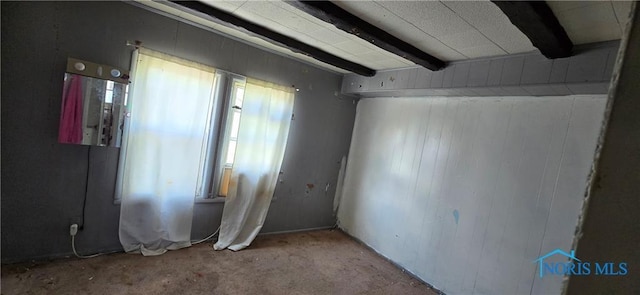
(210, 200)
(197, 201)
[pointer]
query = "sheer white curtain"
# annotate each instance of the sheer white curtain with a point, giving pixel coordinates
(262, 138)
(166, 133)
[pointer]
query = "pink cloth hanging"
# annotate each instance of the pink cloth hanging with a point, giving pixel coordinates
(71, 114)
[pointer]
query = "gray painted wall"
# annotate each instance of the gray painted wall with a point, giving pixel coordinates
(611, 228)
(43, 182)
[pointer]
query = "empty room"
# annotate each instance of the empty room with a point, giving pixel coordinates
(320, 147)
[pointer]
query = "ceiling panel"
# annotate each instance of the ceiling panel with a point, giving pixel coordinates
(445, 29)
(587, 16)
(236, 34)
(493, 24)
(592, 21)
(443, 25)
(508, 39)
(258, 11)
(448, 30)
(376, 14)
(301, 14)
(327, 38)
(438, 49)
(354, 47)
(388, 64)
(594, 34)
(466, 39)
(282, 20)
(370, 12)
(330, 36)
(478, 14)
(482, 51)
(413, 11)
(229, 6)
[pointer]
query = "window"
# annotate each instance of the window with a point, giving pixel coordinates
(167, 126)
(214, 180)
(231, 137)
(185, 116)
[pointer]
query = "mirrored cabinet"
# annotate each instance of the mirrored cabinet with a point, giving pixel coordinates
(94, 103)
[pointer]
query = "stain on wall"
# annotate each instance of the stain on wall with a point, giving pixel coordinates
(456, 215)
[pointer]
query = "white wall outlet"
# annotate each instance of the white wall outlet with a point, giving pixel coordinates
(73, 230)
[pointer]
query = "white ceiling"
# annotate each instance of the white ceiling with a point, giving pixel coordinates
(449, 30)
(592, 21)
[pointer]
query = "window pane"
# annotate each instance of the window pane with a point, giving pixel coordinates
(235, 124)
(239, 96)
(224, 184)
(231, 152)
(126, 95)
(167, 129)
(108, 96)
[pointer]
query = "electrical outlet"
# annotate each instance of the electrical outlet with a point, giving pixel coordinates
(73, 229)
(76, 220)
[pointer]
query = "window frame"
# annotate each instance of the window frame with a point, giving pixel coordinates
(213, 153)
(209, 179)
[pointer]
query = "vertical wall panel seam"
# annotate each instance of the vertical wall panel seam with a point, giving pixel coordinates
(484, 236)
(555, 186)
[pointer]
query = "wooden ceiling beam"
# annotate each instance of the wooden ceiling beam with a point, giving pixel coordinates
(227, 19)
(344, 20)
(536, 20)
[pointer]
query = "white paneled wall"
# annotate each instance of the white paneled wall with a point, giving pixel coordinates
(467, 192)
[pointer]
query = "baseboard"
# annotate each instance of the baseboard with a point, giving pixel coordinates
(67, 255)
(297, 230)
(54, 257)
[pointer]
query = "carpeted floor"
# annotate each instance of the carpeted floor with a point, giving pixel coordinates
(316, 262)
